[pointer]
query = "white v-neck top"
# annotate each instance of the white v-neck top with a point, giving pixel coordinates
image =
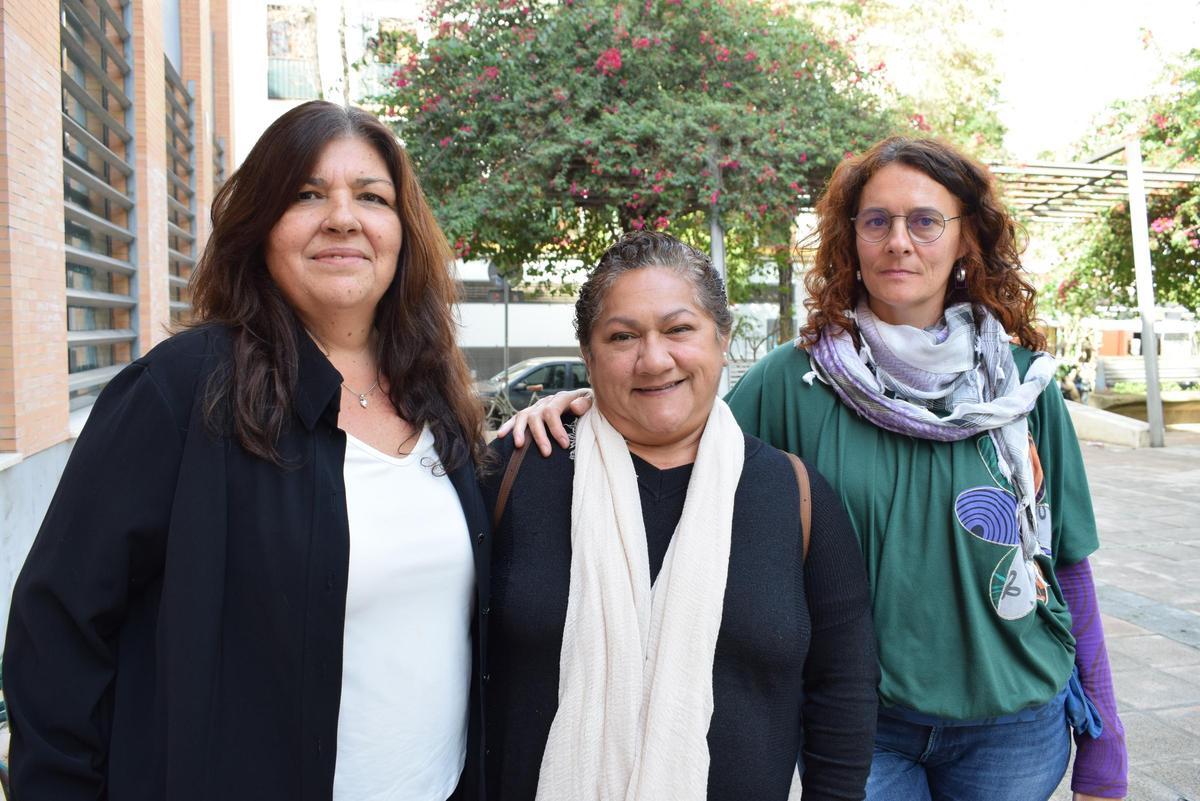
(406, 672)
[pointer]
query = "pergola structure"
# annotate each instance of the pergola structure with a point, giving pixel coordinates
(1068, 193)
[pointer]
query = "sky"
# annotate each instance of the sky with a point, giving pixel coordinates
(1063, 61)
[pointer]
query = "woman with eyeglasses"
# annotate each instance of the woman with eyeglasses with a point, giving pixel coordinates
(919, 389)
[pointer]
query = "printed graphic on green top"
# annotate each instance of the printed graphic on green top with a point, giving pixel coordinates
(990, 513)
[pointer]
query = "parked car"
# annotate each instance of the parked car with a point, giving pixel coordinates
(538, 376)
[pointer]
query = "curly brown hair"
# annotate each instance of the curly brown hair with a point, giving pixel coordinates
(995, 277)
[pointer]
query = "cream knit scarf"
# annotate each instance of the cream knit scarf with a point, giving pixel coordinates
(635, 674)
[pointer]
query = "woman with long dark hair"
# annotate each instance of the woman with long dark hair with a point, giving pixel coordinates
(263, 573)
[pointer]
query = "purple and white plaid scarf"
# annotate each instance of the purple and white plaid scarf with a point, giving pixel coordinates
(904, 375)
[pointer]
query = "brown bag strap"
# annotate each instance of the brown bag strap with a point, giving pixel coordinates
(805, 499)
(510, 475)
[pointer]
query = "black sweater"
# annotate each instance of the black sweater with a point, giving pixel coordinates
(795, 665)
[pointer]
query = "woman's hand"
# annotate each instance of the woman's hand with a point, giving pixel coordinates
(544, 419)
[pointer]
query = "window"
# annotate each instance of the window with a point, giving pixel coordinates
(292, 71)
(579, 373)
(97, 183)
(552, 377)
(181, 193)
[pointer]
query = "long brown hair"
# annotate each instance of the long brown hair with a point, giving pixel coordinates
(995, 278)
(430, 382)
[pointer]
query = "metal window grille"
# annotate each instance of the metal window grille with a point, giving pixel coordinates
(218, 162)
(181, 193)
(97, 189)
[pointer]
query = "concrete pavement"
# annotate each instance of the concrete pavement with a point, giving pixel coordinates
(1147, 504)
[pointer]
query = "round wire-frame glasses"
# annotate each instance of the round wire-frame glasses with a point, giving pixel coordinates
(924, 226)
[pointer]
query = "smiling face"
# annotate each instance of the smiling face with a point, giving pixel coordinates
(334, 251)
(906, 281)
(654, 360)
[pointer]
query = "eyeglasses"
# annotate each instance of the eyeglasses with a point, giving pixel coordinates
(924, 225)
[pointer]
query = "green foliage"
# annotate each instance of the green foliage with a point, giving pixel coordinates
(1102, 274)
(541, 130)
(949, 85)
(1139, 387)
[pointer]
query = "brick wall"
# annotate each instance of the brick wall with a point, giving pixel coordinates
(33, 351)
(34, 407)
(150, 171)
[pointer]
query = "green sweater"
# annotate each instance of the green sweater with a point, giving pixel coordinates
(932, 523)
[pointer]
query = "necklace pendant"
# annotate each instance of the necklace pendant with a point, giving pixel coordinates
(362, 400)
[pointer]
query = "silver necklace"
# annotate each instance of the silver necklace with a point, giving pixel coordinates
(362, 396)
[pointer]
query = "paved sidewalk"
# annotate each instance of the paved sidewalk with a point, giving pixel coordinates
(1147, 570)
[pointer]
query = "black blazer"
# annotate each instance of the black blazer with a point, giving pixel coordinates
(176, 631)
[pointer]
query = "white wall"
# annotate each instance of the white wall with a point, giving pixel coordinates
(533, 325)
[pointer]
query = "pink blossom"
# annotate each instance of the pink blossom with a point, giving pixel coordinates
(661, 223)
(491, 73)
(1162, 225)
(641, 43)
(727, 84)
(637, 224)
(657, 188)
(609, 61)
(750, 55)
(635, 172)
(713, 198)
(918, 121)
(465, 128)
(722, 53)
(400, 83)
(445, 142)
(803, 157)
(1159, 120)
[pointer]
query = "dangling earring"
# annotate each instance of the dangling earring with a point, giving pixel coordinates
(960, 277)
(858, 276)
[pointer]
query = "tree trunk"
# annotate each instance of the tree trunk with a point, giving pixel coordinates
(787, 300)
(346, 99)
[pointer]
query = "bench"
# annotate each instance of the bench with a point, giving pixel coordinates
(1183, 370)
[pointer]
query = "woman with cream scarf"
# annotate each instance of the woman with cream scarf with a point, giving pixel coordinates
(954, 455)
(657, 630)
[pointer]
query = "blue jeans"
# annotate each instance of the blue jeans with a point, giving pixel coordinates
(1022, 760)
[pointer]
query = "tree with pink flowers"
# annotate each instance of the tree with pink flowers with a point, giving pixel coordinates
(1101, 271)
(542, 130)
